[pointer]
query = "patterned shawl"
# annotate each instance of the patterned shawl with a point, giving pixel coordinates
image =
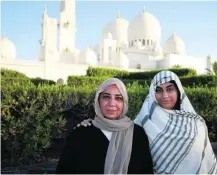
(178, 139)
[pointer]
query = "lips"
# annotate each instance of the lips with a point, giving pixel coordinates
(111, 111)
(166, 102)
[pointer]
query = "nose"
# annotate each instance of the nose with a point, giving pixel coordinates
(165, 94)
(112, 102)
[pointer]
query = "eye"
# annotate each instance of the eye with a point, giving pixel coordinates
(119, 98)
(170, 89)
(105, 97)
(158, 90)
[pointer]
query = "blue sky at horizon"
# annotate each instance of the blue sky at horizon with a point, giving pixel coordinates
(195, 22)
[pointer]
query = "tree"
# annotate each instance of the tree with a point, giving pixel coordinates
(177, 66)
(214, 67)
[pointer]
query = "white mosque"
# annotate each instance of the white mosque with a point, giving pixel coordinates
(132, 46)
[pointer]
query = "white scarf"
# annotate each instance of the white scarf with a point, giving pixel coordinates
(178, 139)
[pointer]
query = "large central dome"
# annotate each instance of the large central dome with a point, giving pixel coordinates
(7, 49)
(118, 29)
(144, 27)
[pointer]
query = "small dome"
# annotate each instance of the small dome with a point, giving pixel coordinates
(174, 45)
(118, 29)
(88, 56)
(7, 49)
(144, 26)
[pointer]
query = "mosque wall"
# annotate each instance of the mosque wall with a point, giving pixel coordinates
(141, 61)
(32, 69)
(53, 71)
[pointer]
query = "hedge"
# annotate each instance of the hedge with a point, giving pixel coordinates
(106, 72)
(146, 75)
(11, 77)
(7, 73)
(31, 116)
(200, 81)
(81, 81)
(39, 81)
(189, 81)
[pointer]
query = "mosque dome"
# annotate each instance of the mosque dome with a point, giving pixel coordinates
(88, 56)
(7, 49)
(118, 29)
(174, 45)
(144, 27)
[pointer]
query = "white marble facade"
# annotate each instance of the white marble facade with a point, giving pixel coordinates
(133, 45)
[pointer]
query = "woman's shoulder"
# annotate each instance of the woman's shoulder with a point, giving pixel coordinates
(138, 129)
(82, 131)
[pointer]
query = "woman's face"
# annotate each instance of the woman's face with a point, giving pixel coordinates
(166, 95)
(111, 102)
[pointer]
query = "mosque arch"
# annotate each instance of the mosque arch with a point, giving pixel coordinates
(138, 66)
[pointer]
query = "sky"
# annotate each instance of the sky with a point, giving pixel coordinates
(195, 22)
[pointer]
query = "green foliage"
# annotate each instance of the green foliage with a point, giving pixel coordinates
(188, 81)
(146, 75)
(32, 115)
(106, 72)
(7, 73)
(204, 101)
(214, 67)
(199, 81)
(37, 81)
(11, 77)
(149, 75)
(82, 81)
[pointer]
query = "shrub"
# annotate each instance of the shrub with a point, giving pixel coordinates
(106, 72)
(189, 81)
(11, 77)
(37, 81)
(199, 81)
(32, 115)
(7, 73)
(82, 81)
(148, 75)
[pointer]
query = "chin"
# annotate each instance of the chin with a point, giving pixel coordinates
(167, 107)
(111, 117)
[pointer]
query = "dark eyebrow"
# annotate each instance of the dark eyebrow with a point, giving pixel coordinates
(118, 95)
(170, 85)
(158, 87)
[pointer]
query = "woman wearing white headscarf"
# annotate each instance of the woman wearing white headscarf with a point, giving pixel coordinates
(113, 144)
(178, 136)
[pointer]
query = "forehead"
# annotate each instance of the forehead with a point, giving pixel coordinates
(112, 89)
(164, 85)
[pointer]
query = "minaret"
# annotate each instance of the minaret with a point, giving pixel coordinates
(44, 27)
(67, 26)
(43, 40)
